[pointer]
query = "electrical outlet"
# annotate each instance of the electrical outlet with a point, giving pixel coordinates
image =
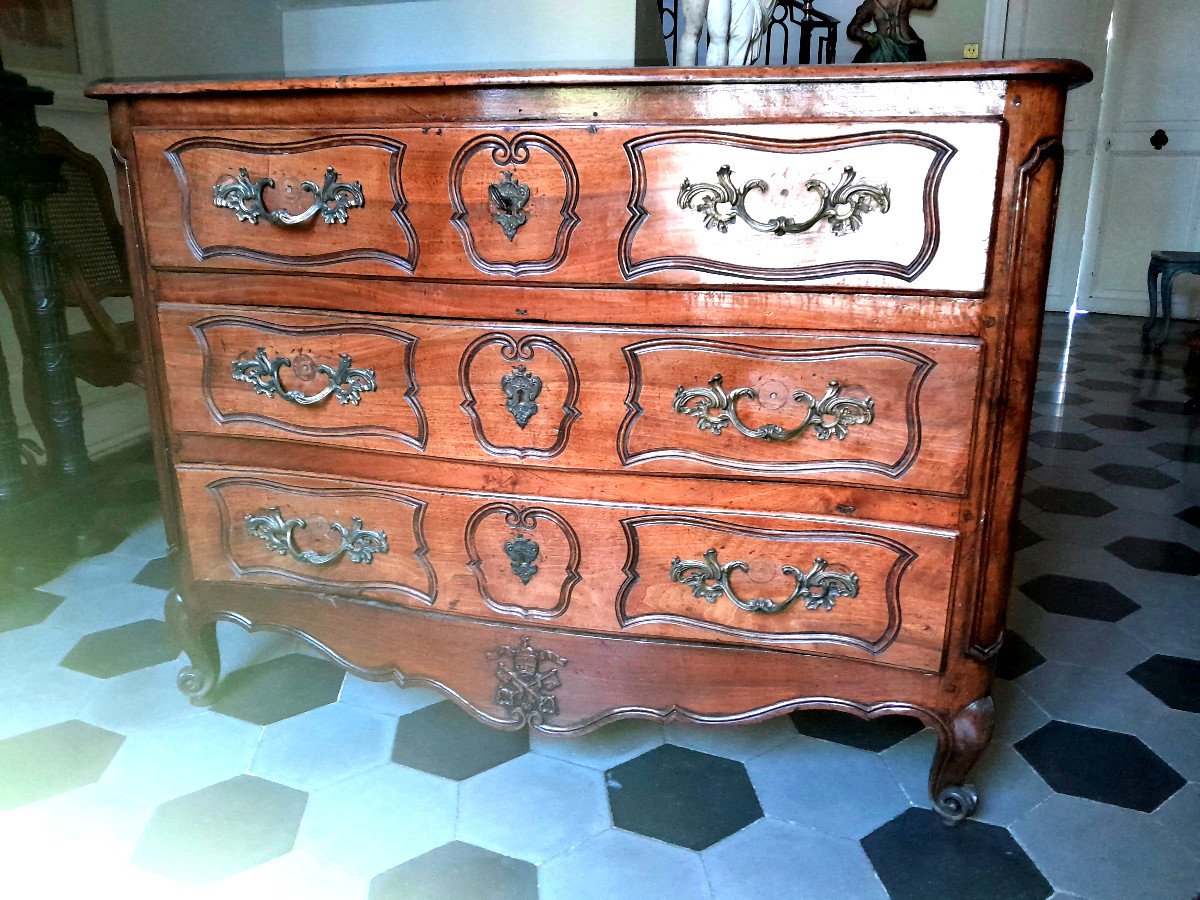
(970, 51)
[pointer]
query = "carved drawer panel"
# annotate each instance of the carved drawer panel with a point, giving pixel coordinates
(880, 591)
(898, 410)
(849, 205)
(291, 375)
(278, 200)
(864, 589)
(322, 535)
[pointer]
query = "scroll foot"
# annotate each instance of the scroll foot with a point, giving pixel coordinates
(960, 745)
(199, 641)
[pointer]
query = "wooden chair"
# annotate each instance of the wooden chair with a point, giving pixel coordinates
(89, 257)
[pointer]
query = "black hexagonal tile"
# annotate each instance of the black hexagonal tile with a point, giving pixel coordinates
(1118, 423)
(1156, 556)
(1189, 453)
(918, 858)
(279, 689)
(1064, 440)
(1069, 502)
(1142, 373)
(1191, 515)
(1163, 407)
(49, 761)
(852, 731)
(123, 649)
(22, 607)
(1093, 356)
(220, 830)
(1135, 476)
(1025, 537)
(1105, 384)
(1066, 398)
(156, 574)
(1016, 657)
(1175, 680)
(682, 796)
(1079, 597)
(444, 740)
(1031, 464)
(457, 870)
(1105, 766)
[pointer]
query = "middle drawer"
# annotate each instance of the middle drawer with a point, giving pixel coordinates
(841, 407)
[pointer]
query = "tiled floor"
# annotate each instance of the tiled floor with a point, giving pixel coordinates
(302, 783)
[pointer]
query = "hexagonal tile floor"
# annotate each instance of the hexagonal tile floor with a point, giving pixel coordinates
(301, 781)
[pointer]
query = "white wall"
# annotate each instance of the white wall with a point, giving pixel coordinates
(423, 35)
(195, 38)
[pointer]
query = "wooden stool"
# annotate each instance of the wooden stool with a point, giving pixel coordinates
(1167, 264)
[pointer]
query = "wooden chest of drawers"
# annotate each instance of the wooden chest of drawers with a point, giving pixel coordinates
(690, 395)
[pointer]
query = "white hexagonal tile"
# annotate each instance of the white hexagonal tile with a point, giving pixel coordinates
(370, 822)
(295, 876)
(145, 698)
(740, 742)
(603, 748)
(1105, 852)
(175, 758)
(1101, 698)
(618, 863)
(566, 802)
(777, 859)
(827, 787)
(44, 697)
(322, 746)
(147, 543)
(386, 697)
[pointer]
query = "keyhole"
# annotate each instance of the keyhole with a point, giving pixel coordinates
(1159, 139)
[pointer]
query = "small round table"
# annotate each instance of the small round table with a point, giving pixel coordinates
(1165, 264)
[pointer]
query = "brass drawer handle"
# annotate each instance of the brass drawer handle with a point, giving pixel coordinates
(345, 383)
(357, 544)
(844, 205)
(831, 416)
(819, 588)
(333, 199)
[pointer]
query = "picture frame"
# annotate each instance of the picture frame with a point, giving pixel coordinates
(39, 35)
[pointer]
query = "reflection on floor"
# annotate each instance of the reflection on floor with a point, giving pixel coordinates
(302, 783)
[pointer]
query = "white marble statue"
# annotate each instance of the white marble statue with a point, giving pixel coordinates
(735, 30)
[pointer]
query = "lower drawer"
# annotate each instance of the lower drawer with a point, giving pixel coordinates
(866, 590)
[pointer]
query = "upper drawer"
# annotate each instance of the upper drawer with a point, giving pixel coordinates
(822, 406)
(856, 205)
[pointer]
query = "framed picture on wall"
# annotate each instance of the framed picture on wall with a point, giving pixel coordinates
(39, 35)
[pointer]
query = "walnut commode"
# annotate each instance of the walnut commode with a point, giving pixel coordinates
(685, 395)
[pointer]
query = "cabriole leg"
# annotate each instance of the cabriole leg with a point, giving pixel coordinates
(199, 641)
(959, 748)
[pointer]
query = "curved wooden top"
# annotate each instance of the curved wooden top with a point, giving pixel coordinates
(1067, 70)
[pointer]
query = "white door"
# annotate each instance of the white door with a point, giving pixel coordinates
(1146, 198)
(1075, 29)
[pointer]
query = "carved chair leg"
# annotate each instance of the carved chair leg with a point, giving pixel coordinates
(199, 641)
(959, 748)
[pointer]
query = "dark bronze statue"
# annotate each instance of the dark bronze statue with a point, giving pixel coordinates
(893, 39)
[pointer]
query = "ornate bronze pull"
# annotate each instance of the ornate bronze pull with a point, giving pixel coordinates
(357, 544)
(333, 199)
(831, 416)
(709, 580)
(844, 205)
(509, 197)
(345, 383)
